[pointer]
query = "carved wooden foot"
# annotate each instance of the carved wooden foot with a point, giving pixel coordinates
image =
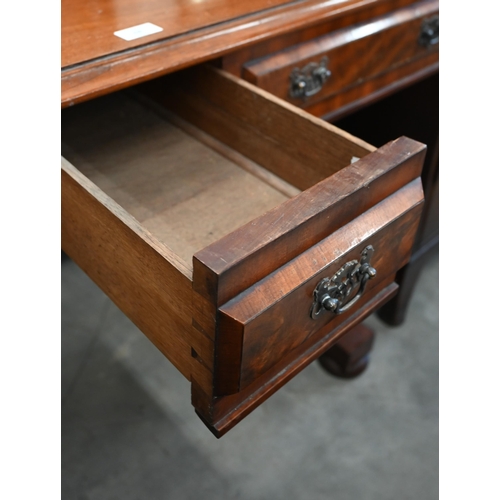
(349, 357)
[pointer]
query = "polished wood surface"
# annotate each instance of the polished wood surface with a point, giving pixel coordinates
(222, 414)
(273, 317)
(88, 27)
(360, 96)
(349, 357)
(288, 142)
(377, 46)
(240, 259)
(233, 61)
(125, 67)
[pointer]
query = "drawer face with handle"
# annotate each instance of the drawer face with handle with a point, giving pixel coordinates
(242, 235)
(320, 287)
(322, 67)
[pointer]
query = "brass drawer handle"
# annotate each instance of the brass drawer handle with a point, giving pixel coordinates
(429, 32)
(310, 79)
(332, 294)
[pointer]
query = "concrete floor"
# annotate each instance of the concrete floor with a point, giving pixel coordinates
(129, 431)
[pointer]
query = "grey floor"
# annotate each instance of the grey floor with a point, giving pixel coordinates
(129, 431)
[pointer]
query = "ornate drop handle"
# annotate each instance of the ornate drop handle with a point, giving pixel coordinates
(332, 294)
(310, 79)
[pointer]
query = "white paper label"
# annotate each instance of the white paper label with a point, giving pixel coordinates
(138, 31)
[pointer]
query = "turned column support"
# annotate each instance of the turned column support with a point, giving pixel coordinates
(350, 356)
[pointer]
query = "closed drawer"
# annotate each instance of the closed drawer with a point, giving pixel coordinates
(335, 63)
(210, 211)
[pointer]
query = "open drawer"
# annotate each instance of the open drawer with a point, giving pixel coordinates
(239, 233)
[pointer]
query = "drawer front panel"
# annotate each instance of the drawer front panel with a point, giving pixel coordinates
(352, 56)
(274, 317)
(233, 408)
(234, 263)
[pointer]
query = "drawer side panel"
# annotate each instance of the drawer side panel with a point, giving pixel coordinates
(130, 269)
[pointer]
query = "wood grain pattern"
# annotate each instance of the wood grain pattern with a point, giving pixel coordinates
(88, 27)
(160, 176)
(223, 414)
(354, 98)
(270, 319)
(378, 45)
(126, 67)
(133, 268)
(233, 61)
(240, 259)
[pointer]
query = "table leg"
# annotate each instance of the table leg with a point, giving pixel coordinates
(349, 357)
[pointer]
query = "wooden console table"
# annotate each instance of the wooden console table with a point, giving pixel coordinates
(207, 190)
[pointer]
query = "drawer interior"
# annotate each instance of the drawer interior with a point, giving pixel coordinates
(182, 184)
(180, 189)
